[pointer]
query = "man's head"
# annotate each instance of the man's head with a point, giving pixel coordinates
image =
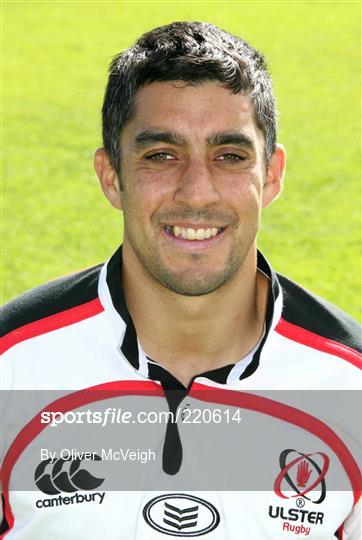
(193, 52)
(190, 155)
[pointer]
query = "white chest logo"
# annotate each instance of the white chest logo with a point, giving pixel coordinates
(181, 515)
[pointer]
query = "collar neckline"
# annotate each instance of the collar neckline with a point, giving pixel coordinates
(112, 296)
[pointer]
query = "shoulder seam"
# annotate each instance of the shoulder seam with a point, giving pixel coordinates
(320, 343)
(44, 325)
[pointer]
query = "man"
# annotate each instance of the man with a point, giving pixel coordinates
(187, 311)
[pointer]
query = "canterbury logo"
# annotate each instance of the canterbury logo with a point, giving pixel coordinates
(68, 481)
(180, 518)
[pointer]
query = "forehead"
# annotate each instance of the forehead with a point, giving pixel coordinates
(194, 111)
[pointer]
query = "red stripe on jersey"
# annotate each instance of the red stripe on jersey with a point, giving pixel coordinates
(64, 404)
(287, 414)
(305, 337)
(340, 532)
(53, 322)
(209, 394)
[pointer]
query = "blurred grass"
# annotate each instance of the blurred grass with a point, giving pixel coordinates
(55, 56)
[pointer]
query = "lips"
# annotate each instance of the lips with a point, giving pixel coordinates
(193, 233)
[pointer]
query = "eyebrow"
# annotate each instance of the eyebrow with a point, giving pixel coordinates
(149, 137)
(235, 138)
(146, 138)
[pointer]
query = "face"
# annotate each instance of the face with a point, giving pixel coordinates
(194, 181)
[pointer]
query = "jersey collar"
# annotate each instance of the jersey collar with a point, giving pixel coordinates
(113, 300)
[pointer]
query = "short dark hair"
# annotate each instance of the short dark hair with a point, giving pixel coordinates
(192, 52)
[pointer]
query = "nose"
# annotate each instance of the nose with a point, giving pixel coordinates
(196, 186)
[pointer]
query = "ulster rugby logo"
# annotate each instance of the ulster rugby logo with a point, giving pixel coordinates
(181, 515)
(303, 473)
(70, 481)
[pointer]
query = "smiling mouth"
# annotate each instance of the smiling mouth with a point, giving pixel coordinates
(189, 233)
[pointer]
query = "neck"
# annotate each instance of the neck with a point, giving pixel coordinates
(191, 335)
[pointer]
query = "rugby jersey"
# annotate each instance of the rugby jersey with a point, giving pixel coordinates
(284, 464)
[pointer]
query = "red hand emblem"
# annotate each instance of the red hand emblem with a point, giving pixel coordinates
(303, 473)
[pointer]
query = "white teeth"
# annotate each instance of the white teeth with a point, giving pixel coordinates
(190, 234)
(194, 234)
(200, 234)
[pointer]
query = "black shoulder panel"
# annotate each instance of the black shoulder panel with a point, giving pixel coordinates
(50, 298)
(315, 314)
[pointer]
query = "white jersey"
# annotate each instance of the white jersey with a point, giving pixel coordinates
(267, 448)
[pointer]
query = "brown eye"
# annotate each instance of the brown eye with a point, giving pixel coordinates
(160, 156)
(231, 158)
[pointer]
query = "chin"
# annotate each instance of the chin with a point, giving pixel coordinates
(193, 283)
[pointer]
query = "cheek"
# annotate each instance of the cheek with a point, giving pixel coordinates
(245, 193)
(141, 200)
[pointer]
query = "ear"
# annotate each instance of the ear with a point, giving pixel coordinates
(108, 178)
(275, 176)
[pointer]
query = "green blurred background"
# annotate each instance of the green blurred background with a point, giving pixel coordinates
(55, 56)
